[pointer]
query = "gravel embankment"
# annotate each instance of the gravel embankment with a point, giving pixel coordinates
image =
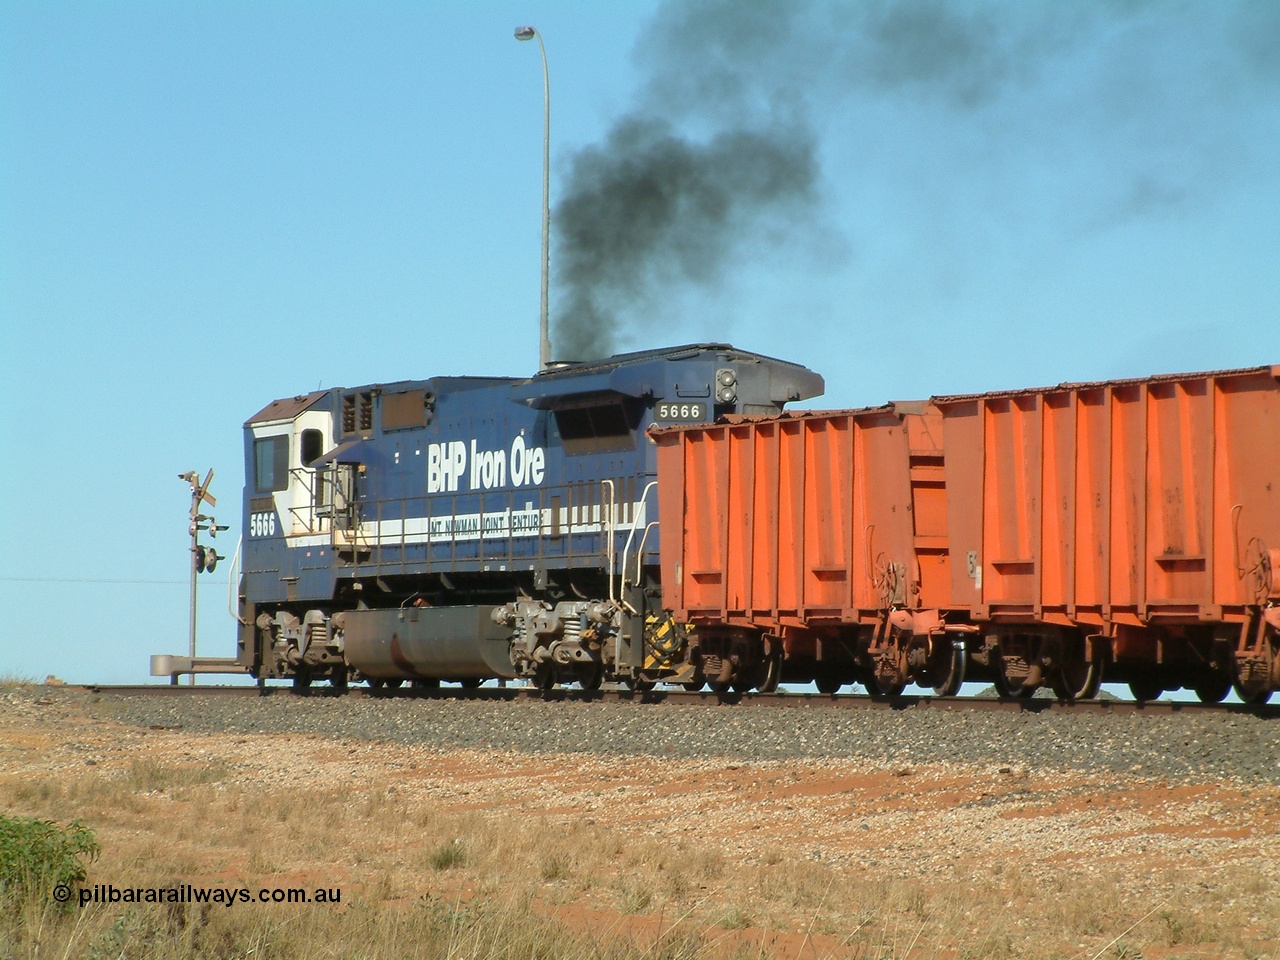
(1170, 747)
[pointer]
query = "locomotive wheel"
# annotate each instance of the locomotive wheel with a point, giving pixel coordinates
(639, 684)
(1078, 680)
(589, 675)
(1213, 688)
(946, 669)
(694, 686)
(544, 676)
(1146, 689)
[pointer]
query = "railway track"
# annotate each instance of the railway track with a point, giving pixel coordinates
(810, 701)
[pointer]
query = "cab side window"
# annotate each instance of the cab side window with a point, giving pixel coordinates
(312, 446)
(271, 464)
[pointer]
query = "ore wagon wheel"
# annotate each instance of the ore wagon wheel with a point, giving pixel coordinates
(376, 683)
(1078, 680)
(1146, 689)
(338, 679)
(827, 683)
(945, 668)
(302, 680)
(1212, 688)
(471, 683)
(589, 675)
(889, 688)
(395, 682)
(430, 683)
(1252, 685)
(768, 674)
(1010, 670)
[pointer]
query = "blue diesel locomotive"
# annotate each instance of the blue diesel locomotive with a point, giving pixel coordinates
(467, 528)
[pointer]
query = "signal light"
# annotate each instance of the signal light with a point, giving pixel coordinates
(206, 558)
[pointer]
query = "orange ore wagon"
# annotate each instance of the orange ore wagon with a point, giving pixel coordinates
(1053, 536)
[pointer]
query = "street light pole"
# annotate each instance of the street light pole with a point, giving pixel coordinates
(544, 342)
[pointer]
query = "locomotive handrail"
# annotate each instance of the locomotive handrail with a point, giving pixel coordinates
(313, 521)
(233, 570)
(626, 550)
(608, 485)
(382, 527)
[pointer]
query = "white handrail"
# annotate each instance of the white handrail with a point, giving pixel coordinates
(232, 576)
(608, 484)
(626, 549)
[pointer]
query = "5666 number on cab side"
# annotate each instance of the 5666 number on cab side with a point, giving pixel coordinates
(262, 524)
(680, 412)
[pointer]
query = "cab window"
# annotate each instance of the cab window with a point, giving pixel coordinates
(312, 446)
(271, 464)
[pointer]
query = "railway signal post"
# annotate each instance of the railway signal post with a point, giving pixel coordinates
(202, 558)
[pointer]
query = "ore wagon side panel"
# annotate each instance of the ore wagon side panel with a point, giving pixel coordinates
(706, 519)
(1013, 444)
(671, 503)
(927, 478)
(761, 443)
(1180, 496)
(828, 494)
(963, 446)
(1246, 488)
(1087, 591)
(885, 568)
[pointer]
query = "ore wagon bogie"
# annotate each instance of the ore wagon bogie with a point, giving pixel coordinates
(1035, 537)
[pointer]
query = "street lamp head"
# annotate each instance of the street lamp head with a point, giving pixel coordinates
(525, 33)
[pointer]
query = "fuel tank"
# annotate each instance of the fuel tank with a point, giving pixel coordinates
(419, 643)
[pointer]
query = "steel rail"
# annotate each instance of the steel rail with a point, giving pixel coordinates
(811, 701)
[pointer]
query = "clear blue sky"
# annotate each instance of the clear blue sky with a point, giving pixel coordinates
(207, 206)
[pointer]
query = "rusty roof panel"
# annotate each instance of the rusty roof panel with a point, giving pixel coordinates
(285, 409)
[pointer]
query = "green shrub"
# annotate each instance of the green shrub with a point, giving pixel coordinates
(37, 855)
(448, 855)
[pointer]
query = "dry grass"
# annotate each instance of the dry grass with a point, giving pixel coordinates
(434, 881)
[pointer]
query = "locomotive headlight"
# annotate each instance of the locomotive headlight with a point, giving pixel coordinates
(726, 386)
